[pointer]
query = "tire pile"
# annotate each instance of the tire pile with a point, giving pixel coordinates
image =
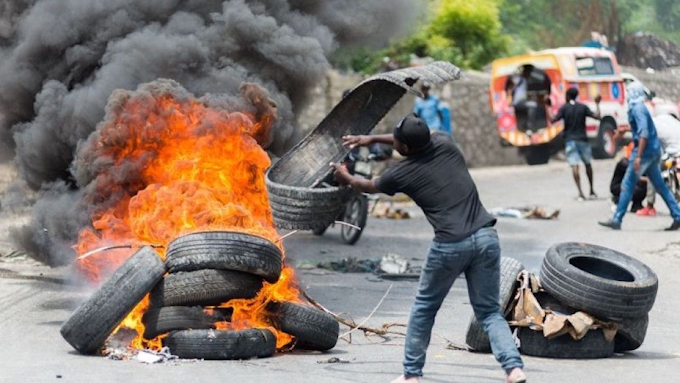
(203, 270)
(299, 198)
(604, 283)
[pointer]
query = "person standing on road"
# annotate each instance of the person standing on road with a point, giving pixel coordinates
(429, 109)
(434, 174)
(577, 147)
(645, 158)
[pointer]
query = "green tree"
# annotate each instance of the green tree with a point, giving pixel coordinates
(668, 14)
(469, 29)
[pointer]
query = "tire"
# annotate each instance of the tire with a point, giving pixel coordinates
(600, 281)
(476, 338)
(301, 203)
(315, 208)
(537, 155)
(592, 346)
(221, 345)
(318, 195)
(356, 213)
(605, 146)
(204, 288)
(631, 334)
(158, 321)
(312, 328)
(225, 251)
(89, 326)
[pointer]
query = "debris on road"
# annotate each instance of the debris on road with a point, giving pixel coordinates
(527, 212)
(151, 356)
(333, 360)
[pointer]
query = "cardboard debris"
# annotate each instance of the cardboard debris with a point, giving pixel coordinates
(529, 313)
(527, 212)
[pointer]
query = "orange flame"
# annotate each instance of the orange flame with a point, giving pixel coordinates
(199, 169)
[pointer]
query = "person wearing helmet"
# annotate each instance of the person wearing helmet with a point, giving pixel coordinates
(645, 158)
(434, 174)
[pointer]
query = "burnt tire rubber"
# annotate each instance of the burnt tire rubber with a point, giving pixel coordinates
(158, 321)
(204, 288)
(221, 345)
(631, 333)
(302, 203)
(475, 337)
(89, 326)
(312, 328)
(303, 221)
(225, 251)
(600, 281)
(592, 346)
(334, 193)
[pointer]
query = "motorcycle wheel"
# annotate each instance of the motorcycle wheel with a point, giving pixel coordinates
(356, 214)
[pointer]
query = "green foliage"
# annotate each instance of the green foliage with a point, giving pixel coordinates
(668, 14)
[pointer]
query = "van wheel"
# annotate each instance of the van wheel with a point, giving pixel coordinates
(606, 146)
(537, 155)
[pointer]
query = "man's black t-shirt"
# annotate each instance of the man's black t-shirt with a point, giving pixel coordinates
(574, 115)
(439, 182)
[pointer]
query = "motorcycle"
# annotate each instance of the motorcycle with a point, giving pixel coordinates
(671, 174)
(357, 208)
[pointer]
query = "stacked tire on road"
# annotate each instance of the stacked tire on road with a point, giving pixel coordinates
(204, 269)
(298, 195)
(604, 283)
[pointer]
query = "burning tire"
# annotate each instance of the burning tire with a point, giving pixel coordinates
(225, 251)
(599, 281)
(221, 345)
(312, 328)
(158, 321)
(204, 287)
(475, 337)
(89, 326)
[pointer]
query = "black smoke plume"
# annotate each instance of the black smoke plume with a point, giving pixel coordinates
(61, 60)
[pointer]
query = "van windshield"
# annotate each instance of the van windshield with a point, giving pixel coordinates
(594, 66)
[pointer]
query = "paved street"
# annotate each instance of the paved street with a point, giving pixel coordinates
(31, 310)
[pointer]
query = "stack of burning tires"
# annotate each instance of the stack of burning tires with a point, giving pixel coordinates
(202, 272)
(607, 285)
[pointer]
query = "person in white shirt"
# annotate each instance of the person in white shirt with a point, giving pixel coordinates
(668, 129)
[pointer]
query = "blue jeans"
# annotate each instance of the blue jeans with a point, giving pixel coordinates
(478, 256)
(649, 165)
(577, 152)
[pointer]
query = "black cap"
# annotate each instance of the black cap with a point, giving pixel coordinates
(413, 132)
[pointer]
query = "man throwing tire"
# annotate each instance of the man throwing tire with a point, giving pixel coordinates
(434, 174)
(645, 158)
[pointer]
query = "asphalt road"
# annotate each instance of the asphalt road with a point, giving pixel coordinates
(32, 305)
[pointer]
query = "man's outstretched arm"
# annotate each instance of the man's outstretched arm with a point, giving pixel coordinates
(355, 141)
(359, 184)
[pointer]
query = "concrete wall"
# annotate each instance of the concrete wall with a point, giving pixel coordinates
(474, 125)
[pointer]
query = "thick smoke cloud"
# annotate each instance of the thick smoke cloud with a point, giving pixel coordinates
(61, 60)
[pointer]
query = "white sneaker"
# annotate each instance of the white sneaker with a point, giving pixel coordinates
(516, 376)
(402, 379)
